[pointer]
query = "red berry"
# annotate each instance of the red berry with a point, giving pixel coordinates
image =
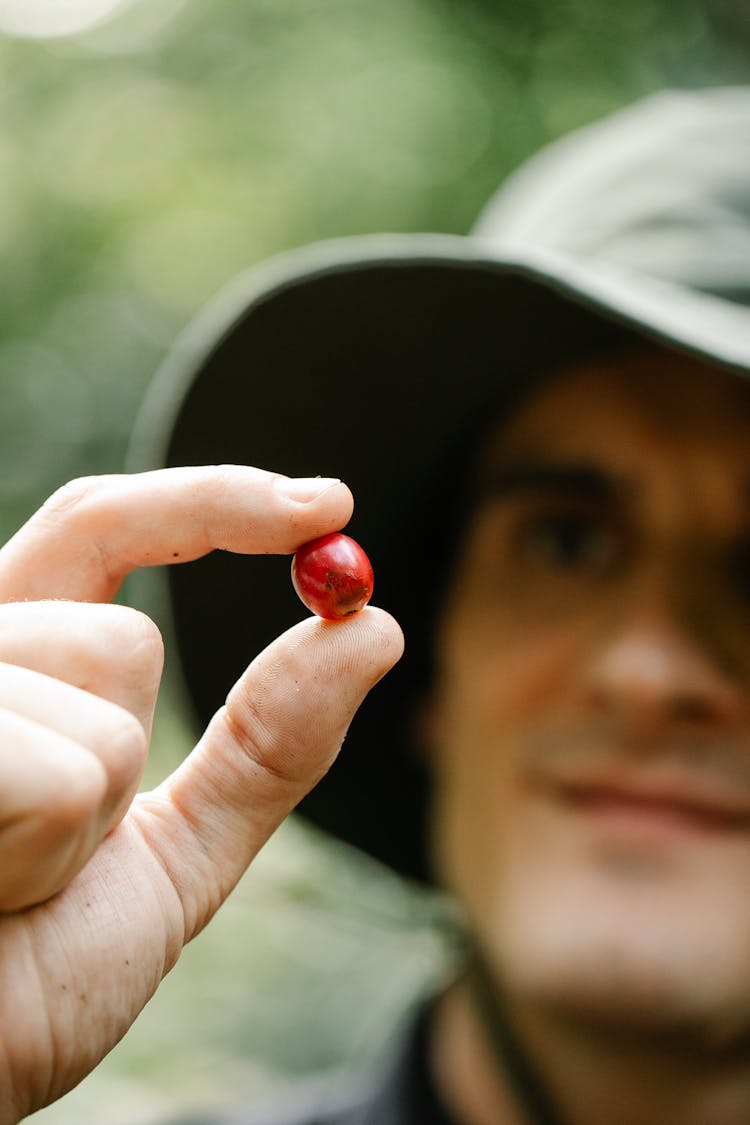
(332, 576)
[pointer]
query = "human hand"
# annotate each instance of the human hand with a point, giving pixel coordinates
(100, 889)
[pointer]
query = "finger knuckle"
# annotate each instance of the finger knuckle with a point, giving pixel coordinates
(146, 649)
(227, 473)
(251, 732)
(126, 750)
(74, 795)
(71, 496)
(230, 488)
(127, 643)
(220, 481)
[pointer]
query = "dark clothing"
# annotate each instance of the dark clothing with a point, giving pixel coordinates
(401, 1093)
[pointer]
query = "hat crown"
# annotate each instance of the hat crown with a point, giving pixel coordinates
(661, 188)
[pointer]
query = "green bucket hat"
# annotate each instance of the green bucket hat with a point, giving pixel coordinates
(375, 359)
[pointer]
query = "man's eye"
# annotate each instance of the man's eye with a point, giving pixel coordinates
(568, 541)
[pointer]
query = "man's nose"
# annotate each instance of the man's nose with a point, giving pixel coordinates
(653, 670)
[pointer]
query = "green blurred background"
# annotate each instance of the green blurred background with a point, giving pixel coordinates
(150, 150)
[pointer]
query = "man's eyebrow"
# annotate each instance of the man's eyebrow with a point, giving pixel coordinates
(580, 481)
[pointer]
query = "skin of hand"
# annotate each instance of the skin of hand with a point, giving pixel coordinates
(101, 887)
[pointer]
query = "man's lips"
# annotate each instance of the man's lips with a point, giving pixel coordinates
(680, 802)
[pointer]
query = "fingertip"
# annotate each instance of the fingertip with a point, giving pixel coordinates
(310, 490)
(388, 632)
(364, 646)
(311, 507)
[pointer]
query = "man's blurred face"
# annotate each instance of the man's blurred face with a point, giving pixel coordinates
(591, 719)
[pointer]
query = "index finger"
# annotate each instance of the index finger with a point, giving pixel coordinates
(94, 531)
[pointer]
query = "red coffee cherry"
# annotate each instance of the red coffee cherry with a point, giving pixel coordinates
(332, 576)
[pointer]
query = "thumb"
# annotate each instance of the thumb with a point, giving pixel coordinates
(278, 733)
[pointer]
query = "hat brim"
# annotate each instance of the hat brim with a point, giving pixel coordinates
(370, 360)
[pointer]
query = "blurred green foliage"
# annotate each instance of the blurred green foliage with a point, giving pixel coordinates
(141, 166)
(144, 163)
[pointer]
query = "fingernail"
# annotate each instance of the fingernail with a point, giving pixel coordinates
(304, 489)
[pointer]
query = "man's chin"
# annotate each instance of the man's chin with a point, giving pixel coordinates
(661, 963)
(719, 1032)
